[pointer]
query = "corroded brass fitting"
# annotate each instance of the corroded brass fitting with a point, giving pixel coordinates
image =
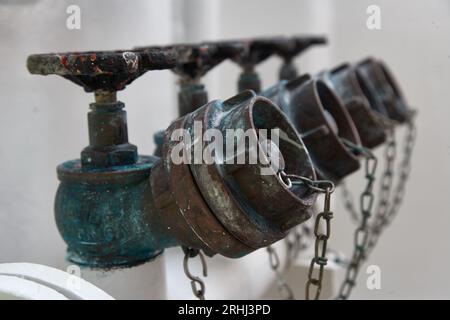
(323, 123)
(115, 208)
(225, 208)
(103, 201)
(383, 90)
(345, 82)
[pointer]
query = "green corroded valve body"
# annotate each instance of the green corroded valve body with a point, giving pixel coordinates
(323, 123)
(116, 208)
(103, 201)
(103, 215)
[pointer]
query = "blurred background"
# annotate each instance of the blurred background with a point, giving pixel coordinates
(43, 123)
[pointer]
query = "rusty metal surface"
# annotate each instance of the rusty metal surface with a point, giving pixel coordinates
(116, 208)
(193, 61)
(184, 212)
(255, 210)
(104, 72)
(104, 207)
(343, 80)
(100, 70)
(291, 47)
(108, 137)
(257, 50)
(383, 91)
(190, 97)
(322, 121)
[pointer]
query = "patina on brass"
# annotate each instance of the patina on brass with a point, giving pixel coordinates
(193, 61)
(383, 91)
(232, 209)
(288, 48)
(115, 208)
(323, 123)
(103, 200)
(343, 80)
(257, 50)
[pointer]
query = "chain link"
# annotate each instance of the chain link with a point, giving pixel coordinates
(385, 191)
(405, 170)
(388, 213)
(197, 284)
(320, 248)
(283, 288)
(348, 202)
(322, 222)
(361, 234)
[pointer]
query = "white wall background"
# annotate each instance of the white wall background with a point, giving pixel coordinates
(43, 121)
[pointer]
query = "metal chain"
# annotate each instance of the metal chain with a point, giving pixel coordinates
(405, 170)
(385, 191)
(284, 289)
(391, 211)
(348, 202)
(298, 240)
(197, 284)
(321, 237)
(362, 231)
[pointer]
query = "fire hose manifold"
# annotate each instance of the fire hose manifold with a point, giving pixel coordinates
(115, 208)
